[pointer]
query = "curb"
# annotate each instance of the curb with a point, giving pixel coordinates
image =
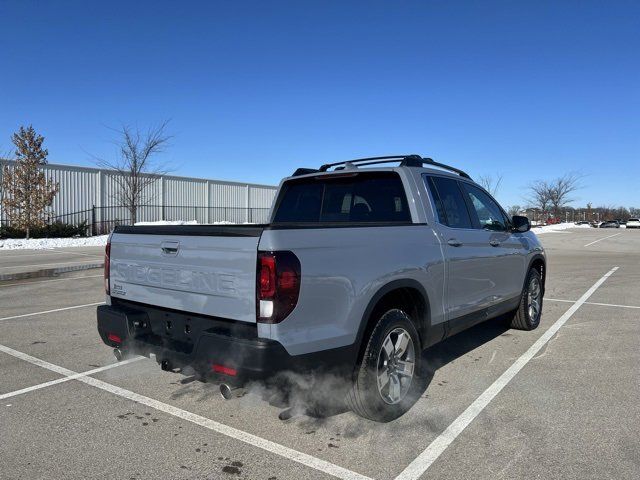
(49, 272)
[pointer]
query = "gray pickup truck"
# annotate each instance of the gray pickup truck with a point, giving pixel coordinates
(364, 264)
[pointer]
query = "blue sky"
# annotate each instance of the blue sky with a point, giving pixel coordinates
(255, 89)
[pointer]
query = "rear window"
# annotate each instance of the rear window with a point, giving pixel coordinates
(358, 198)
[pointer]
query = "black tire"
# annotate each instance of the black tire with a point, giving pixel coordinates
(364, 397)
(522, 320)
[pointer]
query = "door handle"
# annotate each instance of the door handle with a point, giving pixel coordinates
(494, 243)
(454, 242)
(170, 248)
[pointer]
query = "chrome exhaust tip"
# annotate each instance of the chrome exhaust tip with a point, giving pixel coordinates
(228, 392)
(119, 354)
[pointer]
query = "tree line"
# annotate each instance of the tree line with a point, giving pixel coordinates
(551, 199)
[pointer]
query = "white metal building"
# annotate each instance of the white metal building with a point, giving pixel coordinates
(85, 189)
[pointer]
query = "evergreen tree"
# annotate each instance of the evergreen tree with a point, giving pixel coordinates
(27, 194)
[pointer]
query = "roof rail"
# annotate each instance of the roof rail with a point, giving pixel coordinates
(367, 161)
(430, 161)
(405, 161)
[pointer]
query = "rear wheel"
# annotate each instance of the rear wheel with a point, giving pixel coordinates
(529, 311)
(385, 385)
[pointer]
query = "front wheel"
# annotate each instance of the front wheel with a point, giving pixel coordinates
(385, 384)
(527, 316)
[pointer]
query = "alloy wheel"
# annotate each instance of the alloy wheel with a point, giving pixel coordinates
(396, 364)
(533, 299)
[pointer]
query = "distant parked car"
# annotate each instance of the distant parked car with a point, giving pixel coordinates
(610, 224)
(633, 223)
(582, 222)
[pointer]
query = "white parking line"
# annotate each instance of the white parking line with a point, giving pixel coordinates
(420, 465)
(52, 311)
(49, 281)
(79, 262)
(268, 445)
(593, 303)
(71, 377)
(603, 238)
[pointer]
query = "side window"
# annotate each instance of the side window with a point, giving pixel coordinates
(489, 214)
(449, 202)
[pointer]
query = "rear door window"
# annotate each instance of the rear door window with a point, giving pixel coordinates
(375, 197)
(451, 207)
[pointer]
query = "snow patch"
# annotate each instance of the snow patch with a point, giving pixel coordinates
(50, 243)
(558, 227)
(169, 222)
(189, 222)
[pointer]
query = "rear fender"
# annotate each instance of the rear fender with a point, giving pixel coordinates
(423, 325)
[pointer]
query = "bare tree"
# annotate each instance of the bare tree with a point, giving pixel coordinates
(606, 212)
(560, 190)
(539, 195)
(553, 196)
(136, 169)
(490, 183)
(622, 213)
(590, 211)
(514, 210)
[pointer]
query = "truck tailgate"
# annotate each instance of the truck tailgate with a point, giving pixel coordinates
(210, 274)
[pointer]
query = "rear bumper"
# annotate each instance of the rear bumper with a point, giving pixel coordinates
(185, 340)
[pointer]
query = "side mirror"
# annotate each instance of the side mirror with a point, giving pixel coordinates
(520, 224)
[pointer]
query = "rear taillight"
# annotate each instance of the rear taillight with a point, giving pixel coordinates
(107, 266)
(278, 285)
(217, 368)
(267, 276)
(114, 338)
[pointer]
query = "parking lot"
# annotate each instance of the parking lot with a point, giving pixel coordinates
(558, 402)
